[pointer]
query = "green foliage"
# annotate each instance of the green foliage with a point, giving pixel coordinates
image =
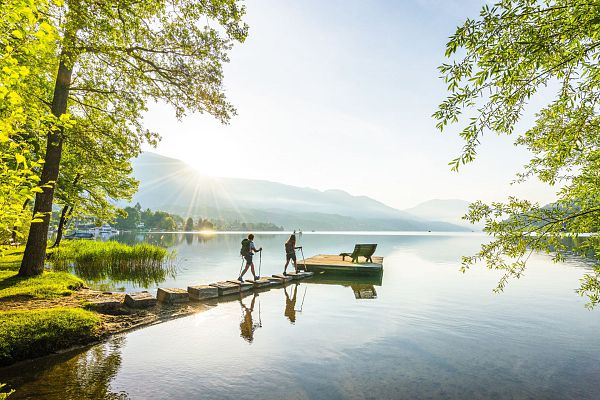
(46, 286)
(4, 395)
(32, 333)
(97, 262)
(27, 45)
(501, 60)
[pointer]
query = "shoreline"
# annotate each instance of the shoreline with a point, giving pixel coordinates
(114, 321)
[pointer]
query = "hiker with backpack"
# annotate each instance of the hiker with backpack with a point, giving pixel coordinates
(247, 251)
(290, 253)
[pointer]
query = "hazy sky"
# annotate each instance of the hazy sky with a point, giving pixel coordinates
(339, 95)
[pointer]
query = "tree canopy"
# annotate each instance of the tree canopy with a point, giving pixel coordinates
(499, 61)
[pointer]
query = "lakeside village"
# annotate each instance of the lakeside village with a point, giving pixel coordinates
(136, 219)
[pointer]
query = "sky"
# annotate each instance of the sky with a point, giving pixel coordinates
(339, 95)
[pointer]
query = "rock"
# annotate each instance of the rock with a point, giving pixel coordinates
(262, 282)
(104, 306)
(202, 292)
(284, 278)
(172, 295)
(300, 275)
(243, 285)
(139, 300)
(226, 288)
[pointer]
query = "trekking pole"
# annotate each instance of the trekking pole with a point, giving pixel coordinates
(259, 264)
(241, 266)
(303, 260)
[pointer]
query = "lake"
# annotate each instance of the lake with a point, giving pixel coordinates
(423, 330)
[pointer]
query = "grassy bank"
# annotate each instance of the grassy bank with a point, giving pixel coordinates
(46, 286)
(31, 333)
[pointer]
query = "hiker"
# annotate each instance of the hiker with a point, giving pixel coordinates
(290, 253)
(247, 251)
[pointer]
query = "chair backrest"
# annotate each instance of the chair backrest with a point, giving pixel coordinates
(364, 250)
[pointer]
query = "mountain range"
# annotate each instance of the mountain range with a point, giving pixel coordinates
(171, 185)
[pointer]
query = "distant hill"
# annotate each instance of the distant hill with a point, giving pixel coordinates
(448, 210)
(170, 185)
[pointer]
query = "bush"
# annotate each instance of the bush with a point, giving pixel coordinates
(33, 333)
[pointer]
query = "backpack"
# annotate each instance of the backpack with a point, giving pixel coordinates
(245, 250)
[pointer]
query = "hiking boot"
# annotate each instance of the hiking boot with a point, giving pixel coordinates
(256, 278)
(240, 279)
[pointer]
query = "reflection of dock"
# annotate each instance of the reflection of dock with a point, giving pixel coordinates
(335, 264)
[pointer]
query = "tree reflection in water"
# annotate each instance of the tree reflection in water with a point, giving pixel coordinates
(85, 375)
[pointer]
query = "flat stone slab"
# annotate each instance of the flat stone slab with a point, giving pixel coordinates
(172, 295)
(284, 278)
(243, 285)
(226, 288)
(262, 282)
(202, 292)
(139, 300)
(104, 305)
(300, 275)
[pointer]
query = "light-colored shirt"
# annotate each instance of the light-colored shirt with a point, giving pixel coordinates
(252, 248)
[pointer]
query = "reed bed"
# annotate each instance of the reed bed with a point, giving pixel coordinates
(97, 262)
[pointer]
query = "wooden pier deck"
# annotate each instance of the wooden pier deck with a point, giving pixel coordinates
(335, 264)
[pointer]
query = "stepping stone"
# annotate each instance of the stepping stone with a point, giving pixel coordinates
(139, 300)
(172, 295)
(104, 305)
(284, 278)
(243, 285)
(262, 282)
(203, 292)
(226, 288)
(300, 275)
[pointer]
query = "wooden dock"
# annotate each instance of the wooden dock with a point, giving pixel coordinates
(335, 264)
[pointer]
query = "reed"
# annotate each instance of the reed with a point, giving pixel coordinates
(97, 262)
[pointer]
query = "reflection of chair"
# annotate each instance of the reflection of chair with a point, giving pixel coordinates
(364, 291)
(361, 250)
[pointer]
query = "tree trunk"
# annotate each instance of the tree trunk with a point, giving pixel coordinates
(15, 228)
(64, 216)
(35, 250)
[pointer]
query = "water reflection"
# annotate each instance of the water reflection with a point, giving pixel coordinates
(290, 304)
(247, 324)
(84, 375)
(364, 291)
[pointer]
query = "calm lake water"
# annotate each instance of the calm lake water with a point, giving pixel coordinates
(422, 331)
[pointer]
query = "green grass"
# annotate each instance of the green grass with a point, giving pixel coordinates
(32, 333)
(45, 286)
(11, 259)
(142, 264)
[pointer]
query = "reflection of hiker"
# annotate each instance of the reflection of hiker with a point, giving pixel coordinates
(247, 251)
(290, 304)
(247, 326)
(290, 253)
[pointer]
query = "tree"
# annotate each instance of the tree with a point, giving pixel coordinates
(113, 58)
(189, 225)
(95, 173)
(506, 56)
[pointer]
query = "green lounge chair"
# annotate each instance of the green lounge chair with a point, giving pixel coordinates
(361, 250)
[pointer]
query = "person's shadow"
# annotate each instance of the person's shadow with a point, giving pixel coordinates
(247, 325)
(290, 304)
